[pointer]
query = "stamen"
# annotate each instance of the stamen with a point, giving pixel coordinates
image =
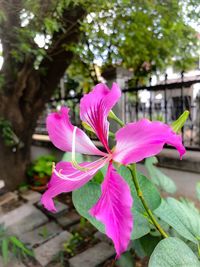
(88, 169)
(77, 176)
(74, 162)
(53, 166)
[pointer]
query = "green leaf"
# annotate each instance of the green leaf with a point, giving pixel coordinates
(141, 225)
(68, 157)
(145, 245)
(51, 25)
(98, 178)
(189, 215)
(179, 123)
(84, 198)
(21, 246)
(148, 189)
(148, 243)
(198, 190)
(126, 260)
(181, 217)
(5, 250)
(159, 178)
(173, 252)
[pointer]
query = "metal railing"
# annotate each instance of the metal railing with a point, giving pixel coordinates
(71, 101)
(164, 102)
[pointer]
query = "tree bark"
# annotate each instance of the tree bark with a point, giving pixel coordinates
(13, 164)
(24, 96)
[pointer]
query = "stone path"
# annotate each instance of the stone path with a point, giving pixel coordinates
(44, 232)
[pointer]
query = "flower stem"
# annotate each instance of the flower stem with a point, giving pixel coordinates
(132, 169)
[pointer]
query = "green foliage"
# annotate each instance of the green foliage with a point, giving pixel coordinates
(71, 245)
(11, 246)
(7, 133)
(163, 182)
(98, 178)
(2, 16)
(145, 245)
(82, 204)
(126, 260)
(182, 217)
(198, 190)
(150, 192)
(92, 191)
(52, 25)
(68, 157)
(42, 166)
(144, 36)
(173, 252)
(141, 225)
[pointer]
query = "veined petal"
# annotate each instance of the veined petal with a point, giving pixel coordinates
(60, 132)
(95, 107)
(144, 139)
(66, 178)
(113, 209)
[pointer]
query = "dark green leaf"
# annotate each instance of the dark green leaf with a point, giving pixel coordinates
(98, 178)
(84, 198)
(141, 225)
(148, 189)
(126, 260)
(148, 243)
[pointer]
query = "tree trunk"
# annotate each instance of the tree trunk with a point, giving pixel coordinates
(13, 165)
(23, 97)
(14, 148)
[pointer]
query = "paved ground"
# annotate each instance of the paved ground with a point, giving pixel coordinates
(46, 233)
(23, 215)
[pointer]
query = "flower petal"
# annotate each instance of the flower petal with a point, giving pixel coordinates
(144, 139)
(71, 179)
(60, 132)
(95, 107)
(114, 209)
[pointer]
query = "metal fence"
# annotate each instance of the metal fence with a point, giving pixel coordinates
(54, 105)
(164, 102)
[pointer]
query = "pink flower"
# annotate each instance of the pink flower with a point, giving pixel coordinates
(134, 142)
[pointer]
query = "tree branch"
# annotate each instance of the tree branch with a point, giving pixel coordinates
(53, 66)
(8, 36)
